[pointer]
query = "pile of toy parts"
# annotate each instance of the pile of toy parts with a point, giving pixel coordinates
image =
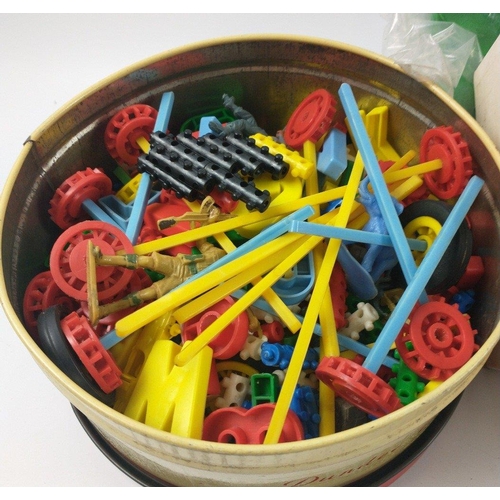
(236, 286)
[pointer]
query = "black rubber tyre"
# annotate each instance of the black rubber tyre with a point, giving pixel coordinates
(454, 261)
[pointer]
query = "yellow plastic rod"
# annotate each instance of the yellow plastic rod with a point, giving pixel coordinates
(304, 337)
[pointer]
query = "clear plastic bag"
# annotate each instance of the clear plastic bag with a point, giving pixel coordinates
(438, 51)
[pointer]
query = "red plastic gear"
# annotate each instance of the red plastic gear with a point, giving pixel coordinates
(125, 128)
(311, 119)
(84, 341)
(230, 341)
(68, 259)
(274, 331)
(66, 204)
(446, 145)
(359, 386)
(437, 340)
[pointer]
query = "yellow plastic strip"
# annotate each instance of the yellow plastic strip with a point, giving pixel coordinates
(189, 291)
(304, 337)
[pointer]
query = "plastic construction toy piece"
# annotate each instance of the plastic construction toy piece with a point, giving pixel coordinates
(377, 259)
(253, 346)
(376, 122)
(299, 166)
(168, 397)
(41, 293)
(68, 259)
(437, 341)
(332, 158)
(193, 167)
(406, 383)
(66, 206)
(362, 319)
(92, 354)
(279, 355)
(235, 389)
(348, 416)
(311, 119)
(242, 426)
(264, 388)
(297, 285)
(230, 341)
(244, 123)
(423, 220)
(123, 130)
(305, 405)
(446, 145)
(55, 345)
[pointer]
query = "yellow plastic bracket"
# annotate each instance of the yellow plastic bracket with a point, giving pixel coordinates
(304, 337)
(169, 397)
(376, 122)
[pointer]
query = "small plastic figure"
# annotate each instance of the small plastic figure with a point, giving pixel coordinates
(176, 269)
(377, 259)
(245, 123)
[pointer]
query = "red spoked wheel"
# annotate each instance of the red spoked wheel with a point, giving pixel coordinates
(443, 144)
(66, 204)
(41, 293)
(359, 386)
(123, 130)
(68, 260)
(311, 119)
(437, 341)
(91, 352)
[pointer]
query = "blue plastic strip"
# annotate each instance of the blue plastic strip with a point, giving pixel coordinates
(97, 213)
(421, 277)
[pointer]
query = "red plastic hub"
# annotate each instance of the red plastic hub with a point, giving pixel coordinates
(241, 426)
(230, 341)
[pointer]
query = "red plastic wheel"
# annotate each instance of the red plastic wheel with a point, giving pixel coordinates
(125, 128)
(311, 120)
(66, 204)
(359, 386)
(437, 341)
(68, 259)
(230, 341)
(444, 144)
(41, 293)
(87, 346)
